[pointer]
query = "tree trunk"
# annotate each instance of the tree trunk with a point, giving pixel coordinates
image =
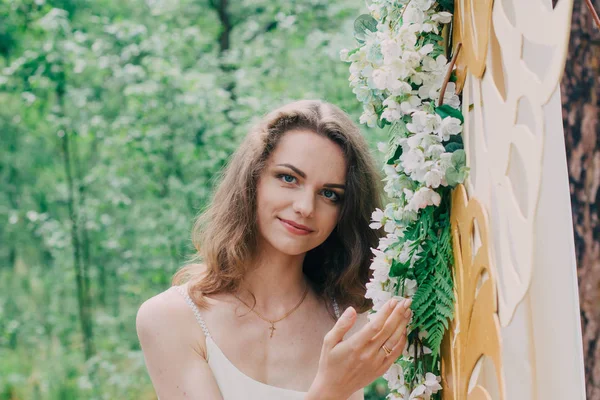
(580, 95)
(83, 295)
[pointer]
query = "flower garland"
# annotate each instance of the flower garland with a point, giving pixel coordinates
(397, 73)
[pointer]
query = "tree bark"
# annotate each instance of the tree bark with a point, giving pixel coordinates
(580, 96)
(83, 295)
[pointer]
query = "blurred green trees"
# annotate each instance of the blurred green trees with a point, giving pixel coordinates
(115, 120)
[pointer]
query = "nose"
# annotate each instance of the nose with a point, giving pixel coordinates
(304, 204)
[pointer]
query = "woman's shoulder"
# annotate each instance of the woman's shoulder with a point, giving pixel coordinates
(167, 315)
(164, 309)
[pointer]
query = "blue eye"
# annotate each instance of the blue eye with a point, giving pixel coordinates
(331, 195)
(287, 178)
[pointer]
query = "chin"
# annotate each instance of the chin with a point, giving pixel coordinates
(290, 245)
(291, 249)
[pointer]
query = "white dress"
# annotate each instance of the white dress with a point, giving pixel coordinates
(232, 382)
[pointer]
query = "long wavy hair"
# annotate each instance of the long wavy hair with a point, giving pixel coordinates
(225, 234)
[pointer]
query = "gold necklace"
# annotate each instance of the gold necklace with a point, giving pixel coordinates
(272, 322)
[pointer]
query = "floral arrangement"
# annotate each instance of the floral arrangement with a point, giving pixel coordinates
(401, 75)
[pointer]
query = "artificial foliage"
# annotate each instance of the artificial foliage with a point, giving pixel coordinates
(398, 71)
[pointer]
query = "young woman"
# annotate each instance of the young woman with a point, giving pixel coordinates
(285, 244)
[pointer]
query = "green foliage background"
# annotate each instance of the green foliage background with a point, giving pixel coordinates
(115, 119)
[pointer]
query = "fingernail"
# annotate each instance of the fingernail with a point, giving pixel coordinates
(393, 303)
(408, 302)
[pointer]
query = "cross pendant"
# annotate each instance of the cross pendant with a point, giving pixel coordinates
(272, 328)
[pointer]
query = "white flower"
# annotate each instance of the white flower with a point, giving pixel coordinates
(369, 116)
(381, 267)
(449, 126)
(432, 85)
(363, 93)
(424, 122)
(376, 217)
(410, 105)
(376, 293)
(450, 96)
(422, 198)
(412, 59)
(418, 393)
(400, 88)
(434, 149)
(433, 178)
(391, 50)
(407, 36)
(428, 48)
(387, 241)
(376, 10)
(405, 253)
(432, 383)
(395, 377)
(392, 110)
(413, 15)
(442, 17)
(381, 77)
(410, 287)
(423, 5)
(412, 159)
(436, 66)
(390, 226)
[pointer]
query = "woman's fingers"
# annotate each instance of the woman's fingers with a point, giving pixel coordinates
(396, 352)
(341, 327)
(397, 321)
(396, 336)
(373, 327)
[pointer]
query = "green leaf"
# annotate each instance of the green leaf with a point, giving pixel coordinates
(448, 111)
(382, 122)
(459, 158)
(354, 51)
(453, 146)
(452, 176)
(446, 5)
(398, 269)
(392, 157)
(362, 24)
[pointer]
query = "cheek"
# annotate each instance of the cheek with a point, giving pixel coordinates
(329, 220)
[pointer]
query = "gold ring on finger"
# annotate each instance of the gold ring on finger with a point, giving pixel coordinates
(387, 350)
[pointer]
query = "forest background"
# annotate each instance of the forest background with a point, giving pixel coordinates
(115, 120)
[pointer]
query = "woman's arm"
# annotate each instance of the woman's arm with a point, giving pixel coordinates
(175, 360)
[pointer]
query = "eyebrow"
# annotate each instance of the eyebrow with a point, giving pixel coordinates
(303, 175)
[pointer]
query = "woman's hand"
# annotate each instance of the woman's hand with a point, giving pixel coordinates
(351, 364)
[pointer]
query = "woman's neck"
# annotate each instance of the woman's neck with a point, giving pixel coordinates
(277, 282)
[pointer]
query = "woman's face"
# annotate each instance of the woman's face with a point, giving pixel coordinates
(300, 192)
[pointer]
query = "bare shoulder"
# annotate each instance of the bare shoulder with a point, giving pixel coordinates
(174, 348)
(167, 318)
(164, 306)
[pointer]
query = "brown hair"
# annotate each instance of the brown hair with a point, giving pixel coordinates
(225, 235)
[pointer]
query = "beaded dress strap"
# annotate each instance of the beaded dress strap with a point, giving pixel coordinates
(194, 307)
(336, 309)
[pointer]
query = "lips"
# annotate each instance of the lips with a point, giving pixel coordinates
(295, 225)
